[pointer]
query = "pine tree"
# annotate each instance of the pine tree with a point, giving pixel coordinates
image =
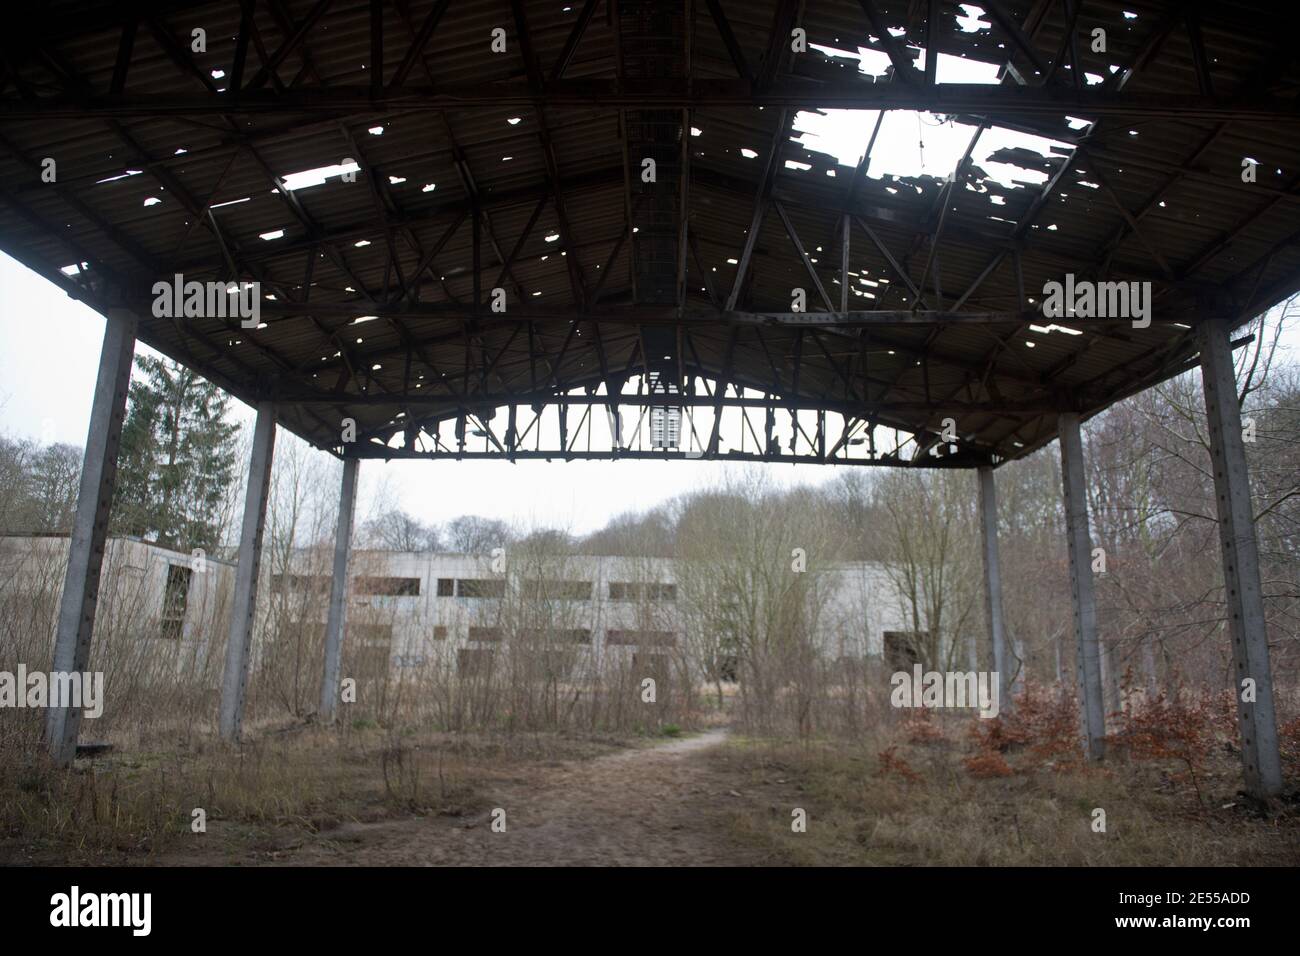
(176, 462)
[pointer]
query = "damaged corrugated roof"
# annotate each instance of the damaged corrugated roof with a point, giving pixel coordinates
(403, 159)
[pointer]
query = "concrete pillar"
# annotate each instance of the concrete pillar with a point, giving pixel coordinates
(90, 526)
(239, 644)
(1079, 546)
(993, 584)
(336, 623)
(1256, 720)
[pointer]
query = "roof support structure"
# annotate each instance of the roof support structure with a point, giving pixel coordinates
(788, 92)
(1253, 676)
(90, 531)
(1082, 591)
(336, 620)
(243, 610)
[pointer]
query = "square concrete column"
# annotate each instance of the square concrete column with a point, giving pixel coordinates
(90, 526)
(336, 623)
(993, 584)
(1079, 546)
(1245, 599)
(239, 644)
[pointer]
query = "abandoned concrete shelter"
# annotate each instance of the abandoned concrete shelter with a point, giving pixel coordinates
(609, 229)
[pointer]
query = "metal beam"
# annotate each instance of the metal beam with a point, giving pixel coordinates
(569, 453)
(482, 400)
(652, 314)
(90, 527)
(667, 93)
(239, 644)
(803, 257)
(1244, 594)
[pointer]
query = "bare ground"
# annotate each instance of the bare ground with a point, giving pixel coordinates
(664, 805)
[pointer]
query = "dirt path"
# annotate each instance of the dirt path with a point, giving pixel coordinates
(659, 806)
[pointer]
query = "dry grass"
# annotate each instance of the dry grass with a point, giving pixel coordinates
(290, 784)
(897, 798)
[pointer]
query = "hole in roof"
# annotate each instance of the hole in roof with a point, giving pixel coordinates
(913, 143)
(361, 243)
(316, 177)
(748, 153)
(230, 202)
(696, 131)
(970, 21)
(376, 131)
(395, 180)
(152, 201)
(513, 121)
(428, 187)
(553, 237)
(218, 74)
(363, 318)
(268, 236)
(110, 179)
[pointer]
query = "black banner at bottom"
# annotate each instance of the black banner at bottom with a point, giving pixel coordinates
(345, 905)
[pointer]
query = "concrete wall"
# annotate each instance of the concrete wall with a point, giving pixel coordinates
(131, 594)
(855, 603)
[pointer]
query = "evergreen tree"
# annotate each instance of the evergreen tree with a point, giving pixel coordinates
(176, 462)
